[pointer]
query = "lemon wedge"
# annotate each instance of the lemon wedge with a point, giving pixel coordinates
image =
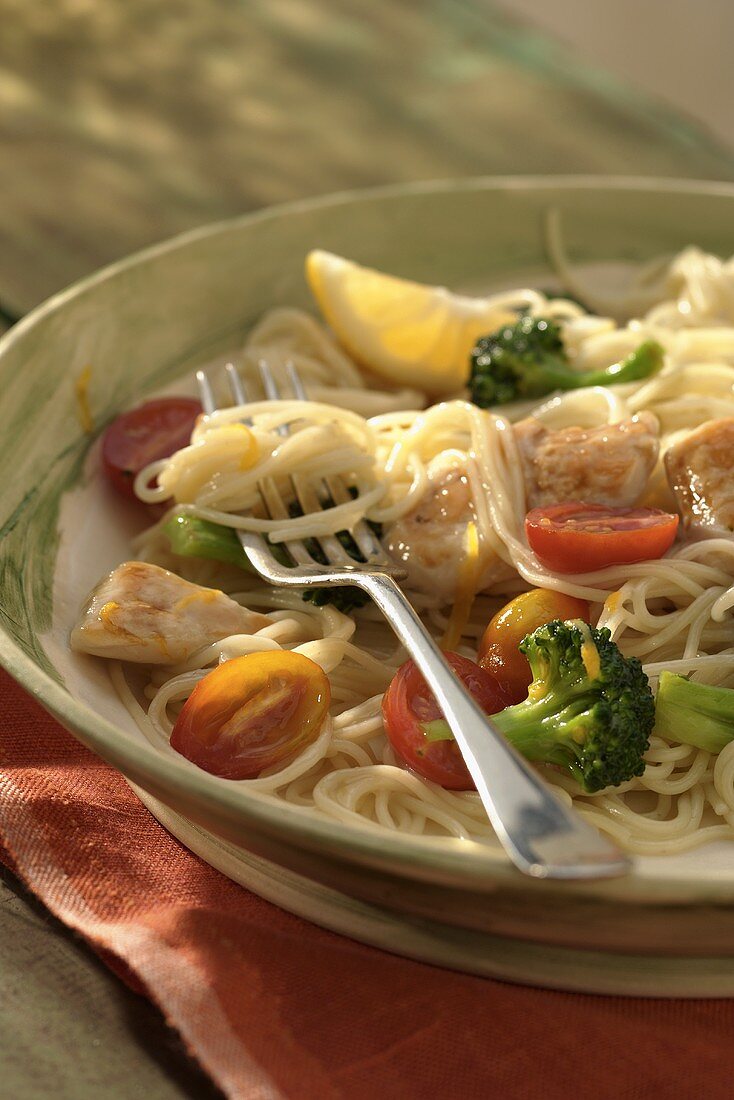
(407, 333)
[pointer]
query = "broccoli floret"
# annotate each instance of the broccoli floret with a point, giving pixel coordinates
(589, 709)
(694, 714)
(527, 360)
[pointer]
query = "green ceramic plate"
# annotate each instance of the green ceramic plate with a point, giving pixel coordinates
(153, 318)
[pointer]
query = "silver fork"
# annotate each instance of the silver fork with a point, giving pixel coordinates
(542, 837)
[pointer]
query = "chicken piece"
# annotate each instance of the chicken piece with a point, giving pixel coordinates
(143, 613)
(429, 542)
(607, 465)
(700, 470)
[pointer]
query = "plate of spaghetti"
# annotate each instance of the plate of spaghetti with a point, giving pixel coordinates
(525, 388)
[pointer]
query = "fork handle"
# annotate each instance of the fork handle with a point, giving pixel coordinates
(543, 837)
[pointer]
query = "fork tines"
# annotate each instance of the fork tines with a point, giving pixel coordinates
(305, 496)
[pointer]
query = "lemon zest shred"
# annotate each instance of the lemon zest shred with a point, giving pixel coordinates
(251, 451)
(589, 652)
(590, 657)
(465, 590)
(81, 389)
(538, 688)
(613, 602)
(207, 595)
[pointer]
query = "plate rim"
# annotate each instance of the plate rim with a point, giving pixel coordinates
(351, 843)
(487, 955)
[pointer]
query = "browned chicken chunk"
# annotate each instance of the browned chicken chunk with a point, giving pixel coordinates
(429, 542)
(143, 613)
(700, 469)
(607, 465)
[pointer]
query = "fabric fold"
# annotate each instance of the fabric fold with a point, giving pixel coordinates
(274, 1008)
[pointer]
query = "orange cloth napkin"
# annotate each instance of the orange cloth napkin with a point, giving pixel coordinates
(276, 1009)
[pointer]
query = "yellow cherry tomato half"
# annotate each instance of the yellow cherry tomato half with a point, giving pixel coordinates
(498, 650)
(252, 713)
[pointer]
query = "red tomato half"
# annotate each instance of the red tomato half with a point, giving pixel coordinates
(252, 713)
(409, 706)
(580, 538)
(154, 430)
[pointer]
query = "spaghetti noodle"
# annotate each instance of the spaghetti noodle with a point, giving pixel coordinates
(673, 613)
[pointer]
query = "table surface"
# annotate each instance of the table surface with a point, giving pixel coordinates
(122, 124)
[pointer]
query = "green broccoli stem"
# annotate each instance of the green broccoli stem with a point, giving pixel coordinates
(191, 536)
(538, 729)
(644, 361)
(555, 374)
(694, 714)
(541, 729)
(550, 373)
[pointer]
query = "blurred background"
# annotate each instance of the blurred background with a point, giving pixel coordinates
(677, 51)
(122, 123)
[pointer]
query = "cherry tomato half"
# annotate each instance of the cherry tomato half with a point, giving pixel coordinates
(580, 538)
(498, 650)
(409, 707)
(252, 713)
(154, 430)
